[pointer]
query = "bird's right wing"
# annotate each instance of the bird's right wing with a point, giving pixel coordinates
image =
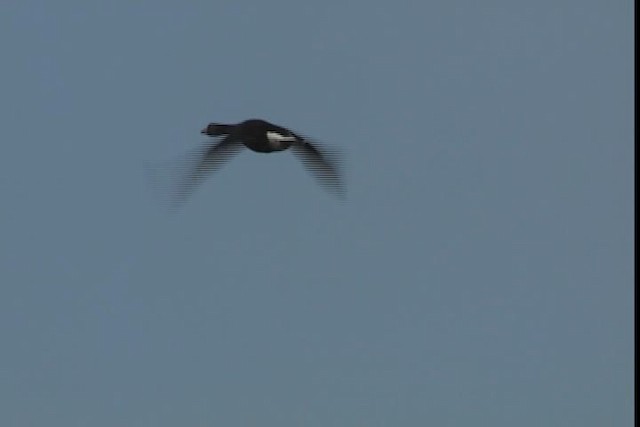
(324, 165)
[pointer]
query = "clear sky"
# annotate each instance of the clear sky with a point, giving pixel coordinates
(479, 273)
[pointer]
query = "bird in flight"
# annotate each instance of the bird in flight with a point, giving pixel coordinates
(262, 137)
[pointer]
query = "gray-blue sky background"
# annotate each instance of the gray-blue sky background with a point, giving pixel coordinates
(479, 274)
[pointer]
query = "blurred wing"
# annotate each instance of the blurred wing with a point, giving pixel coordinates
(178, 179)
(324, 165)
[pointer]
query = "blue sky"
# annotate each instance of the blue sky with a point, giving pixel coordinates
(480, 272)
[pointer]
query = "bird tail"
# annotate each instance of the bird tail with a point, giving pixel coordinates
(216, 129)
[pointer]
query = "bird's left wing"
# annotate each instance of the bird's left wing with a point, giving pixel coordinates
(187, 173)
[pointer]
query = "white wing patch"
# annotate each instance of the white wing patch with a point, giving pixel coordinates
(278, 137)
(278, 142)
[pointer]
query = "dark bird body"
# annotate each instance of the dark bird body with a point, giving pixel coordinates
(262, 137)
(257, 135)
